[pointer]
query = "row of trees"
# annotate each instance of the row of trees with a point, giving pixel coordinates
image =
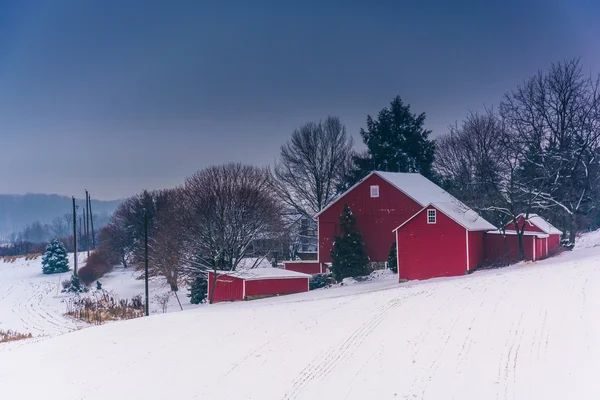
(537, 153)
(60, 227)
(217, 218)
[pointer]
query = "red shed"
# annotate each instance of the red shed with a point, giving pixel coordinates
(535, 223)
(240, 285)
(380, 202)
(503, 247)
(441, 239)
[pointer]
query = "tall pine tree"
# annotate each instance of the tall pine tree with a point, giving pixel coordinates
(55, 259)
(396, 142)
(348, 252)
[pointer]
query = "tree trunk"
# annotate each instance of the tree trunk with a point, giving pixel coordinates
(521, 250)
(214, 285)
(573, 230)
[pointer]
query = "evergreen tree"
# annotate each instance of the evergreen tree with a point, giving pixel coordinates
(55, 259)
(198, 290)
(348, 252)
(393, 259)
(396, 142)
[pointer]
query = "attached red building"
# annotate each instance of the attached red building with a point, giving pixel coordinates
(503, 247)
(441, 239)
(535, 223)
(234, 286)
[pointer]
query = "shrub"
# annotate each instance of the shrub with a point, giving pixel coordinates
(393, 259)
(66, 284)
(103, 307)
(95, 268)
(320, 281)
(10, 336)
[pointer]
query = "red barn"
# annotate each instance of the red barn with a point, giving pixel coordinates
(380, 202)
(258, 282)
(441, 239)
(535, 223)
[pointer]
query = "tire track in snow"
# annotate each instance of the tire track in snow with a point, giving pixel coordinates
(321, 366)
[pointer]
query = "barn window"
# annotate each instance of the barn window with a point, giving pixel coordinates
(375, 191)
(431, 216)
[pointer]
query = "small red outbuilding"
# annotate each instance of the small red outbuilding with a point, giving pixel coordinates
(258, 282)
(503, 247)
(441, 239)
(536, 224)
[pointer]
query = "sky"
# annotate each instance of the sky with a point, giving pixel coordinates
(117, 96)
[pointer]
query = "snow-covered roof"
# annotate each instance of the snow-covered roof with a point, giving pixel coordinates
(459, 213)
(465, 216)
(541, 223)
(415, 186)
(509, 232)
(265, 273)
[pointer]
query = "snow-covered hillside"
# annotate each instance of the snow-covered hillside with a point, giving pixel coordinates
(31, 302)
(525, 332)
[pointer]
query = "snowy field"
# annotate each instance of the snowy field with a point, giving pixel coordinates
(31, 302)
(531, 331)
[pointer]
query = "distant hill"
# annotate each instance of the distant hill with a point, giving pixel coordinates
(17, 211)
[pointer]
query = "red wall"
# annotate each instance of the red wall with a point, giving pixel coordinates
(376, 218)
(499, 249)
(432, 250)
(267, 287)
(553, 243)
(304, 267)
(529, 227)
(475, 250)
(228, 288)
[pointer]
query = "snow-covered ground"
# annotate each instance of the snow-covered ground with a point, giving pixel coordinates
(31, 302)
(529, 331)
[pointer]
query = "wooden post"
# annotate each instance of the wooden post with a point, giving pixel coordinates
(92, 223)
(87, 225)
(74, 238)
(146, 261)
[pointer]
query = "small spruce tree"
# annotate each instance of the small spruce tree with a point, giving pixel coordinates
(55, 259)
(393, 259)
(198, 290)
(348, 252)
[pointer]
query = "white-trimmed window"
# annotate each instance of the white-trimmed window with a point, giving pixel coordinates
(374, 190)
(431, 216)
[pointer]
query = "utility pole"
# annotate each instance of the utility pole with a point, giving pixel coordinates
(87, 224)
(146, 260)
(92, 223)
(74, 237)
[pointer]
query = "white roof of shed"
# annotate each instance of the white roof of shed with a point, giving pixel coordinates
(511, 233)
(264, 273)
(541, 223)
(463, 215)
(459, 213)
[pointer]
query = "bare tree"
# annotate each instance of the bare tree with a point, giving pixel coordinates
(225, 209)
(312, 165)
(483, 161)
(166, 244)
(556, 115)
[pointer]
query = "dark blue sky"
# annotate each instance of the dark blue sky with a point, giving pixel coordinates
(117, 96)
